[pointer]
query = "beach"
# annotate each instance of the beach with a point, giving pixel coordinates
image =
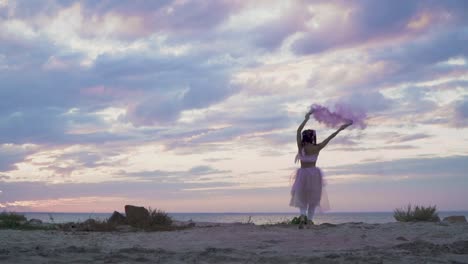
(418, 242)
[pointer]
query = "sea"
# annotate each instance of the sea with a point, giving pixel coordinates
(256, 218)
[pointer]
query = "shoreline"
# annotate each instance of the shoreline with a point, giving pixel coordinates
(257, 218)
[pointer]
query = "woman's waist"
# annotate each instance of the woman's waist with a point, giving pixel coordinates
(307, 159)
(309, 171)
(308, 164)
(309, 167)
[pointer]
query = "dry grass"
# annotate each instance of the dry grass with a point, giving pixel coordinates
(158, 221)
(416, 214)
(90, 225)
(11, 220)
(159, 218)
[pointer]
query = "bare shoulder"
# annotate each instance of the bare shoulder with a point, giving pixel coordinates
(311, 149)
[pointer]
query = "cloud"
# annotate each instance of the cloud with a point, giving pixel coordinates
(11, 154)
(428, 49)
(340, 24)
(127, 21)
(390, 147)
(176, 176)
(344, 140)
(460, 113)
(52, 125)
(271, 34)
(243, 119)
(189, 16)
(65, 162)
(406, 138)
(370, 102)
(170, 84)
(154, 89)
(423, 168)
(27, 191)
(124, 20)
(216, 159)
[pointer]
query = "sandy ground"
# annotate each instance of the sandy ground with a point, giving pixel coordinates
(245, 243)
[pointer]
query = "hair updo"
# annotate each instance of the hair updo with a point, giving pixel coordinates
(309, 136)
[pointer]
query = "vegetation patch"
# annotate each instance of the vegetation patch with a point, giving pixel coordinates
(11, 220)
(416, 214)
(156, 220)
(159, 218)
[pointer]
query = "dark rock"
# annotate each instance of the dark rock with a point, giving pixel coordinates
(455, 219)
(137, 216)
(37, 223)
(34, 221)
(402, 238)
(117, 218)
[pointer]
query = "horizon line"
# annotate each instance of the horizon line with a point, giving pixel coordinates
(41, 212)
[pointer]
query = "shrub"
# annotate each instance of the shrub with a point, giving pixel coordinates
(90, 225)
(11, 220)
(419, 213)
(297, 220)
(159, 218)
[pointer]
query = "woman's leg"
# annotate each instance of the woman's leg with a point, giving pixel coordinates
(302, 218)
(310, 212)
(303, 210)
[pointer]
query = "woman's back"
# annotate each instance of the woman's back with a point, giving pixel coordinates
(311, 149)
(308, 156)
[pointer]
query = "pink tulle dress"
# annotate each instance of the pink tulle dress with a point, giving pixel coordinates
(308, 188)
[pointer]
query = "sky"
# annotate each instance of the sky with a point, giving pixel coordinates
(193, 106)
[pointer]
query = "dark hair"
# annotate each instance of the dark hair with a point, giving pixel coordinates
(309, 136)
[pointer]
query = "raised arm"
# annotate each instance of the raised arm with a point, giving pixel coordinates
(325, 142)
(299, 131)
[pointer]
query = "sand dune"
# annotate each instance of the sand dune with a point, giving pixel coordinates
(245, 243)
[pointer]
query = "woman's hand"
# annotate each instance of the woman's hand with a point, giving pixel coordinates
(307, 116)
(346, 125)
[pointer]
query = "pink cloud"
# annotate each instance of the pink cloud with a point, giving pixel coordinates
(76, 204)
(373, 21)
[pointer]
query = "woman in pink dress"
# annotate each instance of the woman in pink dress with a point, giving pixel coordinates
(307, 191)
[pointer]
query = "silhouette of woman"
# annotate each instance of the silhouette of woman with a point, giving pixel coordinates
(307, 191)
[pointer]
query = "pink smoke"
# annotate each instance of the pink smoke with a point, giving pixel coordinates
(342, 115)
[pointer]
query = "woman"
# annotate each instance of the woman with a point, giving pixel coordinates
(306, 192)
